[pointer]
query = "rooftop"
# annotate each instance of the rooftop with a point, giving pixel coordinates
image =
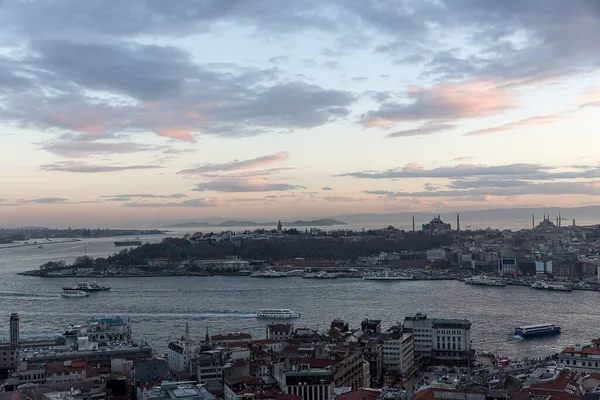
(177, 390)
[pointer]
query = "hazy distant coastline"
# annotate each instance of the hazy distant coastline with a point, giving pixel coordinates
(233, 223)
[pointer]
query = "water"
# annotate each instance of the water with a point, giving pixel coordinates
(159, 307)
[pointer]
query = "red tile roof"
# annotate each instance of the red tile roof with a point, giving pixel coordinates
(316, 362)
(278, 396)
(265, 341)
(57, 367)
(360, 394)
(561, 388)
(231, 337)
(584, 350)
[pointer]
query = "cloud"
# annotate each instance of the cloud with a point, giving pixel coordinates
(326, 188)
(342, 199)
(244, 185)
(442, 103)
(524, 188)
(517, 171)
(250, 173)
(425, 129)
(523, 123)
(464, 158)
(239, 165)
(127, 197)
(107, 86)
(192, 203)
(81, 167)
(46, 200)
(82, 145)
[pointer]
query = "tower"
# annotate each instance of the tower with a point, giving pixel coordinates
(532, 221)
(207, 340)
(559, 220)
(413, 223)
(279, 228)
(574, 223)
(457, 222)
(14, 331)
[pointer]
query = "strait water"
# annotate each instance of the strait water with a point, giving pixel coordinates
(158, 307)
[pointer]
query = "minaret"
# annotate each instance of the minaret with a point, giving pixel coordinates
(413, 223)
(187, 331)
(559, 220)
(532, 221)
(574, 223)
(457, 222)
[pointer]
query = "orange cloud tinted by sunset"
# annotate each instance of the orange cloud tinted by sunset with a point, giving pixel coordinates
(524, 123)
(179, 134)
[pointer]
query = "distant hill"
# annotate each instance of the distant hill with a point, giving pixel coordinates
(239, 224)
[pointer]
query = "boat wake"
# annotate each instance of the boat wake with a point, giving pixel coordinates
(8, 293)
(517, 337)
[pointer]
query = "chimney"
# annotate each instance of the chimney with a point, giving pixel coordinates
(14, 331)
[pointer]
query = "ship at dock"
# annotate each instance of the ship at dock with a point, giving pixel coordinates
(559, 287)
(320, 275)
(269, 274)
(386, 275)
(484, 281)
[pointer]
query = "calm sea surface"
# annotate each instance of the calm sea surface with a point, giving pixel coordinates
(158, 307)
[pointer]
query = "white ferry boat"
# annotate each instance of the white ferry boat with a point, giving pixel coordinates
(277, 313)
(269, 274)
(87, 287)
(485, 281)
(320, 275)
(387, 275)
(537, 330)
(551, 286)
(74, 293)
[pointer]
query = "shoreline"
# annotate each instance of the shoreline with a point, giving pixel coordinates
(18, 245)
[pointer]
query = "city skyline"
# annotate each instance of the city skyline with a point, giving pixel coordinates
(193, 110)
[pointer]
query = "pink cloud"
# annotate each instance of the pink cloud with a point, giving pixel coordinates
(179, 134)
(524, 123)
(444, 102)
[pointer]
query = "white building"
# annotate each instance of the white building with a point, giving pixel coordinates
(436, 254)
(398, 354)
(440, 340)
(585, 359)
(179, 352)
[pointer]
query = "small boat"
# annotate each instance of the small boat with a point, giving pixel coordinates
(40, 247)
(277, 313)
(485, 281)
(74, 293)
(529, 331)
(87, 287)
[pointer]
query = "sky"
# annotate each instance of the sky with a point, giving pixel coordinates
(114, 112)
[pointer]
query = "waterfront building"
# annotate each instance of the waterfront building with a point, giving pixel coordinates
(223, 340)
(439, 340)
(436, 254)
(280, 331)
(371, 326)
(585, 359)
(102, 330)
(399, 354)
